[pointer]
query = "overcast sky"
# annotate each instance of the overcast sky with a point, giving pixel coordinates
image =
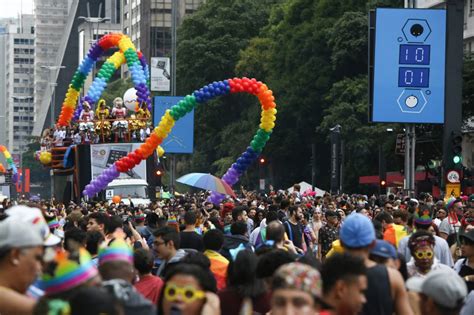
(11, 8)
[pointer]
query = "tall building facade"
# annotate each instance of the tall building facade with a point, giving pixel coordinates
(19, 83)
(58, 70)
(51, 19)
(7, 25)
(149, 22)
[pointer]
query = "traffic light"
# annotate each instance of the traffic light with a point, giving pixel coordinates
(262, 160)
(456, 148)
(382, 186)
(159, 172)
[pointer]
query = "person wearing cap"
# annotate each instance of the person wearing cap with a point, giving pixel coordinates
(451, 224)
(296, 290)
(465, 266)
(441, 292)
(116, 267)
(421, 245)
(384, 253)
(385, 293)
(21, 255)
(423, 222)
(344, 283)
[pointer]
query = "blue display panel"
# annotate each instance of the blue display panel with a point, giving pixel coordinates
(409, 66)
(181, 137)
(414, 55)
(414, 77)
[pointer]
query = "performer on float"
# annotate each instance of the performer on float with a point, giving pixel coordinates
(119, 113)
(134, 127)
(143, 116)
(102, 126)
(86, 125)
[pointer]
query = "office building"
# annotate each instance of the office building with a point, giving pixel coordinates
(19, 59)
(149, 22)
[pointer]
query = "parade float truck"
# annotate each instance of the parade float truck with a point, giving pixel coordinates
(74, 167)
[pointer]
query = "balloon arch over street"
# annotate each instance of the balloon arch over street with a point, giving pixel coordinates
(140, 74)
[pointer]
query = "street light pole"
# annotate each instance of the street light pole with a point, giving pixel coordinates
(52, 107)
(53, 91)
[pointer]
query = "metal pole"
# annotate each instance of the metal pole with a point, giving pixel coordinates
(53, 104)
(407, 168)
(412, 162)
(174, 22)
(341, 172)
(453, 81)
(313, 165)
(174, 16)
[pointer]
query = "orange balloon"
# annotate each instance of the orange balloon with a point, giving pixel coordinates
(116, 199)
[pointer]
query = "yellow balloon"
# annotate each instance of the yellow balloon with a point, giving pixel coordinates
(45, 158)
(160, 151)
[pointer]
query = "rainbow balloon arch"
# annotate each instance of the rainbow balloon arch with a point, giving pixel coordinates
(140, 74)
(10, 162)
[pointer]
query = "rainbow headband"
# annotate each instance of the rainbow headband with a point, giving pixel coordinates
(118, 250)
(451, 202)
(424, 218)
(140, 217)
(53, 224)
(68, 274)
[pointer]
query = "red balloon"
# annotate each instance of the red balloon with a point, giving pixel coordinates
(120, 166)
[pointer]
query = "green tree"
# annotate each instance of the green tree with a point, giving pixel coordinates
(209, 43)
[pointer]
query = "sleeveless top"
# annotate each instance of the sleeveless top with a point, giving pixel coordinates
(379, 292)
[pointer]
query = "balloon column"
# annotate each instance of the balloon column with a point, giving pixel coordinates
(2, 168)
(127, 53)
(208, 92)
(11, 164)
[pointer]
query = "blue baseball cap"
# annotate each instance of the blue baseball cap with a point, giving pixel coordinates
(357, 231)
(384, 249)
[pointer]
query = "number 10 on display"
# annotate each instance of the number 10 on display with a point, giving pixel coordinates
(413, 76)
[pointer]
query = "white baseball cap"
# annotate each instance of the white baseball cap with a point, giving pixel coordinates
(444, 286)
(14, 233)
(35, 220)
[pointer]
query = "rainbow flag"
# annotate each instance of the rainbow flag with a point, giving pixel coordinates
(219, 266)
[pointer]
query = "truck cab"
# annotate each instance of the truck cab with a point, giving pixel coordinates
(135, 189)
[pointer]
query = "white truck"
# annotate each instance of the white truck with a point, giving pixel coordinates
(135, 189)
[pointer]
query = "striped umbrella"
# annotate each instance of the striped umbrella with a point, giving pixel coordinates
(208, 182)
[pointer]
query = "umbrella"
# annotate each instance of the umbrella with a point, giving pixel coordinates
(206, 181)
(166, 195)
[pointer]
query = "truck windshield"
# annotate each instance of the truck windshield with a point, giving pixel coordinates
(131, 191)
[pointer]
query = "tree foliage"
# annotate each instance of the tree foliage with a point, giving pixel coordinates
(313, 55)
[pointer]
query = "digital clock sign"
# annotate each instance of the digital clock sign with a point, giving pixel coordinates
(413, 77)
(414, 55)
(408, 65)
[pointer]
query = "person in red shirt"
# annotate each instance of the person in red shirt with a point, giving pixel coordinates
(148, 285)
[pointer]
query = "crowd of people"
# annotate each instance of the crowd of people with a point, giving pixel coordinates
(275, 253)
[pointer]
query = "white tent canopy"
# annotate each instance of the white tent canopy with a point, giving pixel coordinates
(307, 187)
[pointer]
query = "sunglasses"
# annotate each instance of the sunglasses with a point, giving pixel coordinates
(188, 294)
(424, 254)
